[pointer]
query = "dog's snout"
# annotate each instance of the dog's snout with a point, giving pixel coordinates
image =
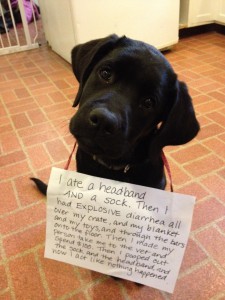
(103, 120)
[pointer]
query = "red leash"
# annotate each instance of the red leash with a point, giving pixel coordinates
(165, 162)
(70, 157)
(167, 166)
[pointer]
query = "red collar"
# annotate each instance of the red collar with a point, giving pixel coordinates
(167, 166)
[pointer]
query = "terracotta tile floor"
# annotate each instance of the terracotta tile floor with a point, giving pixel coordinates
(36, 92)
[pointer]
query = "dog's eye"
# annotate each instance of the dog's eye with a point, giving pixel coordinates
(105, 73)
(148, 103)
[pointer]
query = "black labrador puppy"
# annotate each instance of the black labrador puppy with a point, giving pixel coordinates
(131, 105)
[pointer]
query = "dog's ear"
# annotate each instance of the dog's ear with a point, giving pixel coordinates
(85, 56)
(180, 126)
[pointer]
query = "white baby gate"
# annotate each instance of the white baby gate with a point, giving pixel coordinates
(19, 37)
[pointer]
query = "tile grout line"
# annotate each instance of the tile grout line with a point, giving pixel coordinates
(24, 229)
(42, 276)
(20, 209)
(7, 270)
(205, 227)
(19, 139)
(49, 121)
(60, 137)
(195, 268)
(194, 178)
(210, 258)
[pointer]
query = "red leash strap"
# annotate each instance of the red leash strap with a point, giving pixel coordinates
(70, 157)
(167, 166)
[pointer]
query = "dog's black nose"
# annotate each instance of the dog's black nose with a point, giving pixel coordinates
(103, 120)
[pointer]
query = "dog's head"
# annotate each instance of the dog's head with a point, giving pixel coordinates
(128, 94)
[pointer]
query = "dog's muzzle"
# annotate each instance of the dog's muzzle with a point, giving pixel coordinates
(99, 131)
(103, 121)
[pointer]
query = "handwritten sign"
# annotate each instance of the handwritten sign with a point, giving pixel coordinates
(120, 229)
